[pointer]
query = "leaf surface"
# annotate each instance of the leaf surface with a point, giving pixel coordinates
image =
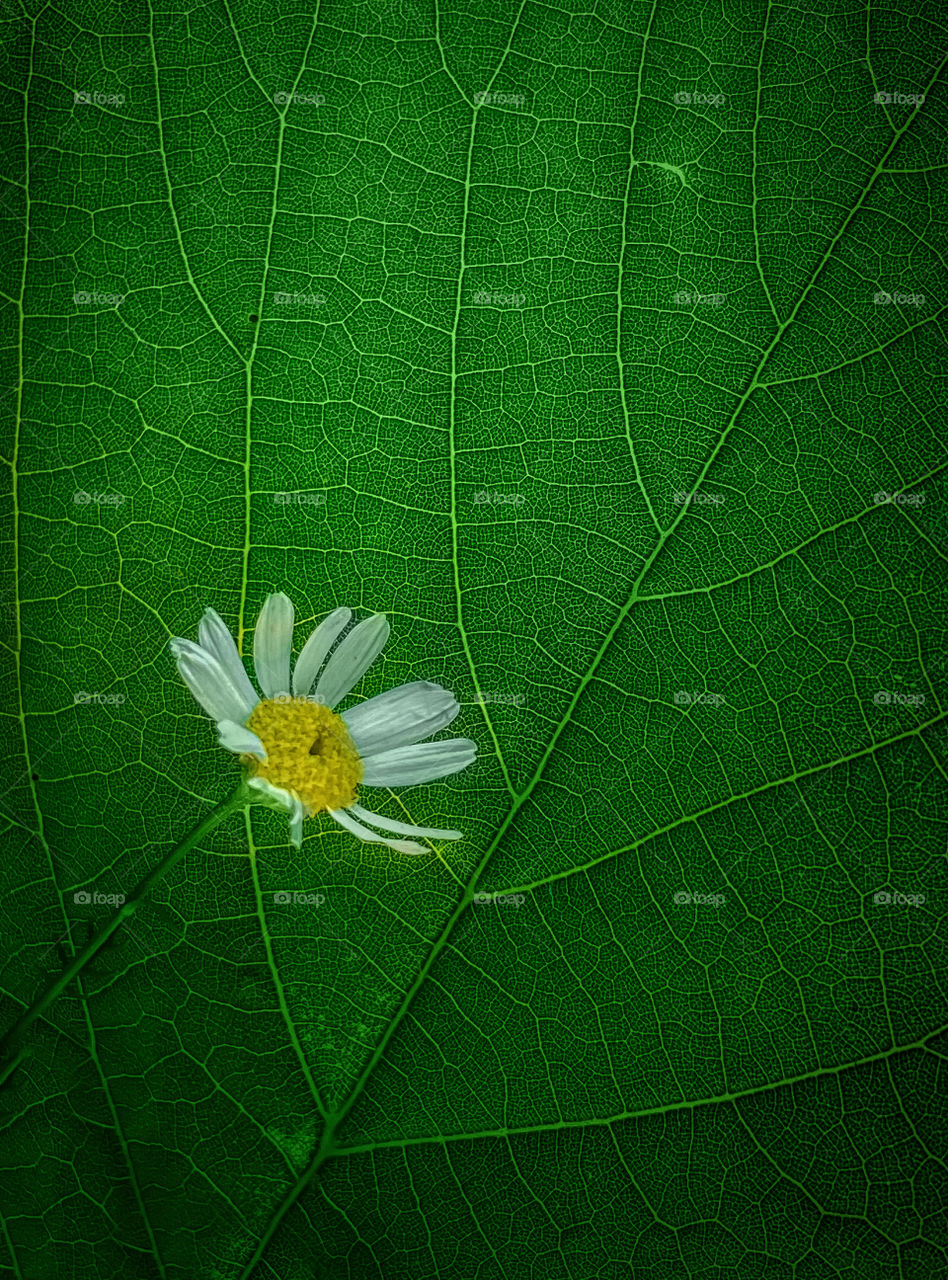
(602, 348)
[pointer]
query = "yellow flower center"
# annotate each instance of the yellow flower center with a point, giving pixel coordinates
(309, 751)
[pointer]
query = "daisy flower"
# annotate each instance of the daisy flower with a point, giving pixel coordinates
(300, 755)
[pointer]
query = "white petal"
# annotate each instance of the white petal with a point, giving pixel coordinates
(315, 649)
(283, 798)
(403, 828)
(296, 824)
(217, 640)
(400, 716)
(209, 682)
(234, 737)
(288, 800)
(371, 837)
(272, 640)
(408, 766)
(352, 659)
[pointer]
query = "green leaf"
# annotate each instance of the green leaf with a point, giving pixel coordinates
(602, 348)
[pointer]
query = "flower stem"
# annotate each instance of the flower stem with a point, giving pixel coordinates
(240, 798)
